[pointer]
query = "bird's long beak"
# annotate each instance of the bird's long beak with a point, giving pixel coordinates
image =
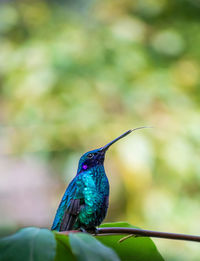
(104, 148)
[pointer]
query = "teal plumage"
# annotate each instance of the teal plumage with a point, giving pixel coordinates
(85, 202)
(92, 187)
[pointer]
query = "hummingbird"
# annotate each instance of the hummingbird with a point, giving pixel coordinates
(85, 202)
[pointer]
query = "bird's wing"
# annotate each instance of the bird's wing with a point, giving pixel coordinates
(72, 202)
(68, 208)
(70, 215)
(77, 200)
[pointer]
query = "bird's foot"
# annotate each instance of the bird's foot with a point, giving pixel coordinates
(92, 230)
(83, 230)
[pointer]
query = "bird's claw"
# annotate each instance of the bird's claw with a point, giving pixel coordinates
(92, 230)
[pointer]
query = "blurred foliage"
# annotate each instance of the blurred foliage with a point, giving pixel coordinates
(28, 243)
(132, 248)
(41, 244)
(74, 75)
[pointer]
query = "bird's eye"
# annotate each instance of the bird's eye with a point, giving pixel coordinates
(90, 155)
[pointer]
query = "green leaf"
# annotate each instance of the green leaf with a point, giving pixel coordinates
(63, 248)
(32, 244)
(133, 248)
(85, 247)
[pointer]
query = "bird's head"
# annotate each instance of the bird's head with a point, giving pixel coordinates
(96, 157)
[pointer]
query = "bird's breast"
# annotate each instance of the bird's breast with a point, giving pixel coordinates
(101, 181)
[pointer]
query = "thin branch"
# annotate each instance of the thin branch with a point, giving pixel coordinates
(144, 233)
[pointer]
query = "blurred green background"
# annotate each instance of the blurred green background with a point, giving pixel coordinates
(76, 74)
